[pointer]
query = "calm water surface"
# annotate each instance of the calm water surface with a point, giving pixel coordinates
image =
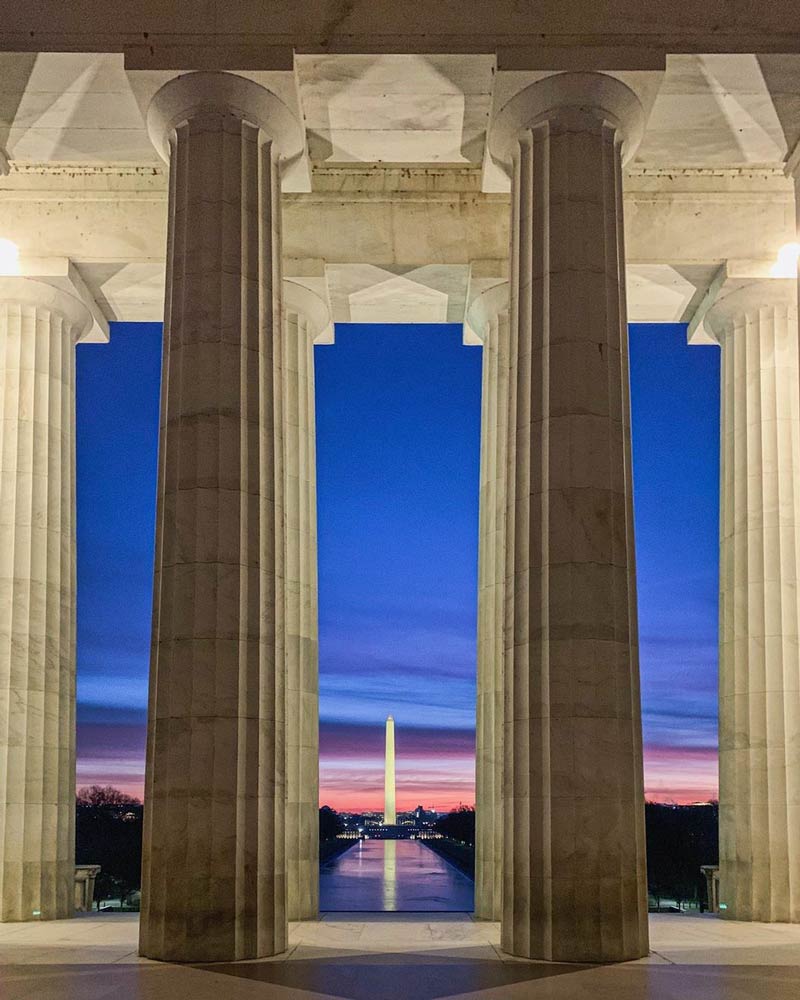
(393, 875)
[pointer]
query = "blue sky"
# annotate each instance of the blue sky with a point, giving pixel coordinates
(398, 454)
(398, 415)
(675, 426)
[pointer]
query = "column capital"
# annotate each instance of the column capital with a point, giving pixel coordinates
(41, 295)
(193, 94)
(576, 97)
(740, 289)
(482, 309)
(301, 299)
(791, 164)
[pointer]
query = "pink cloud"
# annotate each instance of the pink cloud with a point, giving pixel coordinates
(111, 755)
(434, 767)
(680, 774)
(357, 740)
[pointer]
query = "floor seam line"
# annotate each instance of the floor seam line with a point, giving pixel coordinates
(661, 955)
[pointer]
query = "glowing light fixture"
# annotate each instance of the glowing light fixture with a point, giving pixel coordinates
(786, 264)
(9, 257)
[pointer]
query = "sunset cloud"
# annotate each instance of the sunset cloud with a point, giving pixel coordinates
(434, 767)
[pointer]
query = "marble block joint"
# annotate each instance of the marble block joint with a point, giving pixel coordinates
(39, 327)
(574, 886)
(214, 870)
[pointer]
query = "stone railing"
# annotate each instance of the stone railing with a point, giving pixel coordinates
(711, 873)
(84, 886)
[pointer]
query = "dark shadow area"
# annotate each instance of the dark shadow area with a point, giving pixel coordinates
(386, 976)
(394, 976)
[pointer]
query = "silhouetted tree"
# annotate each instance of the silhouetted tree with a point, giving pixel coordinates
(330, 823)
(105, 795)
(458, 824)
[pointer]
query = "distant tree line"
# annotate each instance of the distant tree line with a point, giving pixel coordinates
(458, 846)
(330, 824)
(459, 824)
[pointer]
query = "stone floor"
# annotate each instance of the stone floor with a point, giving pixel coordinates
(392, 956)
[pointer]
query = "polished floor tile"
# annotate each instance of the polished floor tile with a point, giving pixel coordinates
(394, 956)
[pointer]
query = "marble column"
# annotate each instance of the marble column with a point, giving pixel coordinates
(755, 323)
(792, 169)
(39, 327)
(574, 884)
(489, 321)
(306, 321)
(214, 863)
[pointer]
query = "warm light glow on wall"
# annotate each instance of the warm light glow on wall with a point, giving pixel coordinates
(9, 257)
(786, 264)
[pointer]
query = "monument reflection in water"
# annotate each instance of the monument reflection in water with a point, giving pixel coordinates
(394, 876)
(390, 875)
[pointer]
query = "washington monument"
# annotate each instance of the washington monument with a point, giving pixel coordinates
(389, 809)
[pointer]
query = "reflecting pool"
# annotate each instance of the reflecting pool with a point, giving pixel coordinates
(393, 875)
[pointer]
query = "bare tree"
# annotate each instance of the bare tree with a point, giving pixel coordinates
(105, 795)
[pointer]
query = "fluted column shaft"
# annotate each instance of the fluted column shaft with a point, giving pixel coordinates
(214, 868)
(39, 327)
(759, 670)
(494, 332)
(574, 885)
(793, 170)
(304, 319)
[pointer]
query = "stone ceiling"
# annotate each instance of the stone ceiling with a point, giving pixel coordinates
(413, 240)
(709, 110)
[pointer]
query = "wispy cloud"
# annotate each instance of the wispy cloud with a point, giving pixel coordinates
(680, 774)
(111, 753)
(343, 739)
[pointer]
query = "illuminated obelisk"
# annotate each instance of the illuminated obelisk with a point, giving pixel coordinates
(389, 809)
